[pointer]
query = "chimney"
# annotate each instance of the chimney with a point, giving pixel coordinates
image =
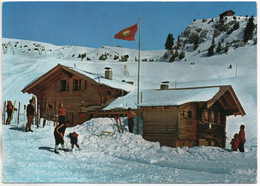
(108, 73)
(165, 85)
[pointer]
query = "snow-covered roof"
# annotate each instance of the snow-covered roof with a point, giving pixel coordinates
(177, 96)
(170, 97)
(181, 96)
(92, 76)
(102, 80)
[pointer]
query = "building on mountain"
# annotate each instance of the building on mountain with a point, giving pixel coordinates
(73, 87)
(188, 116)
(227, 13)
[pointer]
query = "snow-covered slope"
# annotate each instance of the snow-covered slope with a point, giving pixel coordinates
(118, 158)
(110, 156)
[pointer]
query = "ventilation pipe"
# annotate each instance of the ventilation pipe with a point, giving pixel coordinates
(108, 73)
(165, 85)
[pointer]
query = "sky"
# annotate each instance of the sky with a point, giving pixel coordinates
(94, 24)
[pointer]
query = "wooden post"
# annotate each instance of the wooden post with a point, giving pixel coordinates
(18, 112)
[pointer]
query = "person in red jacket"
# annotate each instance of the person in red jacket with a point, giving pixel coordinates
(62, 113)
(242, 139)
(235, 142)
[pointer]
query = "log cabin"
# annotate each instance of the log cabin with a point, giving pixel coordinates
(78, 90)
(188, 116)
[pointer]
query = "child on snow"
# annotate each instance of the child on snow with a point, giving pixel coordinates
(235, 142)
(74, 140)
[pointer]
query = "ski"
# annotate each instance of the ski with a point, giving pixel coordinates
(56, 117)
(18, 117)
(4, 111)
(12, 114)
(38, 113)
(117, 124)
(35, 116)
(44, 114)
(121, 124)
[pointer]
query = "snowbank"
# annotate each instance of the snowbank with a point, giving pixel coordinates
(118, 158)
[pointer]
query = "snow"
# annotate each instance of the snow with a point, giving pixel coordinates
(101, 80)
(164, 97)
(128, 158)
(177, 97)
(118, 158)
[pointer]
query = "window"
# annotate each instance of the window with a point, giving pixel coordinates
(212, 117)
(187, 114)
(64, 85)
(76, 84)
(205, 116)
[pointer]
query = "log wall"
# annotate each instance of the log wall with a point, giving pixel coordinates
(71, 99)
(160, 124)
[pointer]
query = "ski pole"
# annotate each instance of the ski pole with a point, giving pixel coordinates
(65, 142)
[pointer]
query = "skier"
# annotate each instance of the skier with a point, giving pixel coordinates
(242, 139)
(59, 135)
(74, 140)
(9, 111)
(130, 117)
(30, 115)
(235, 142)
(62, 113)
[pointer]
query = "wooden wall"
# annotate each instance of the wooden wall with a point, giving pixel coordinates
(187, 125)
(212, 127)
(71, 99)
(160, 124)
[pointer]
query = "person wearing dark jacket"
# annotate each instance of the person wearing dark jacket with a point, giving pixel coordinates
(130, 119)
(9, 111)
(59, 135)
(30, 115)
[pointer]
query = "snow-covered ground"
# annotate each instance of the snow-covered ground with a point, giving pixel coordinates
(128, 158)
(118, 158)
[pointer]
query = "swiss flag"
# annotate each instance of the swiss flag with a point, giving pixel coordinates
(127, 33)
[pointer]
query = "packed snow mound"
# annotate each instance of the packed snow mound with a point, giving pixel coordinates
(133, 148)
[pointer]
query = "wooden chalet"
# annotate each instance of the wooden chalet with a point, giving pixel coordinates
(227, 13)
(73, 87)
(189, 116)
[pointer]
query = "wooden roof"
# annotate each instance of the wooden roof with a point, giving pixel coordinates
(54, 74)
(228, 100)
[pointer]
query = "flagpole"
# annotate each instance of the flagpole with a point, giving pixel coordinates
(138, 76)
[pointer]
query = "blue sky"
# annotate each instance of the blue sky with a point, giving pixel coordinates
(93, 24)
